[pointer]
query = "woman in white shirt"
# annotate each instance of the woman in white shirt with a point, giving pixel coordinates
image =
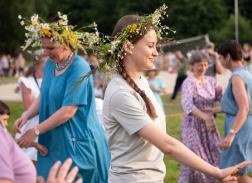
(29, 87)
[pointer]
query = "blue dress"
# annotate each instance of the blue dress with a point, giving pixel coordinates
(241, 148)
(81, 138)
(157, 83)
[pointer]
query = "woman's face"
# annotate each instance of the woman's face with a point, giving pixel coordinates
(144, 52)
(4, 119)
(52, 50)
(200, 68)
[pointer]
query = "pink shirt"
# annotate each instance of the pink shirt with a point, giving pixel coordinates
(14, 164)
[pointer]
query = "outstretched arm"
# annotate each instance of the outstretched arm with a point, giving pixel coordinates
(32, 111)
(179, 152)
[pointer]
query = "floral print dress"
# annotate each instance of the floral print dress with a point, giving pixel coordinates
(194, 133)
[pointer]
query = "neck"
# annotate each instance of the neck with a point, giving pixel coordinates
(38, 75)
(236, 65)
(132, 70)
(67, 53)
(199, 77)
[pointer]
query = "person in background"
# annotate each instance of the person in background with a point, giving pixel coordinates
(4, 114)
(98, 89)
(29, 86)
(214, 64)
(247, 57)
(157, 85)
(198, 130)
(20, 64)
(236, 103)
(181, 67)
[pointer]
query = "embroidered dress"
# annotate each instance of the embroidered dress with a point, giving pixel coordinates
(194, 133)
(241, 148)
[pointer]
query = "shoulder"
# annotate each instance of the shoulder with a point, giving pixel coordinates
(27, 81)
(241, 73)
(49, 63)
(118, 90)
(189, 81)
(211, 80)
(80, 64)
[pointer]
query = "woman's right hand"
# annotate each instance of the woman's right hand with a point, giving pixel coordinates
(229, 174)
(62, 173)
(210, 122)
(19, 123)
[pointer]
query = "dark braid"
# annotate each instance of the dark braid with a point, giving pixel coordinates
(150, 108)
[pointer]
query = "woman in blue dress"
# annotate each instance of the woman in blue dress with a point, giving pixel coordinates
(237, 105)
(68, 125)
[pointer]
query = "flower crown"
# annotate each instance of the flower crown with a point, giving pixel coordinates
(58, 31)
(110, 53)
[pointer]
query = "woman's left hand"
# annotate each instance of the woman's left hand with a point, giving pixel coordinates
(27, 139)
(229, 174)
(227, 141)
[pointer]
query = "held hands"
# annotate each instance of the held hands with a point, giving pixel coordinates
(61, 174)
(227, 141)
(228, 174)
(27, 139)
(210, 122)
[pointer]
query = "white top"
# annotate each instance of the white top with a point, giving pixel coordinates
(134, 159)
(99, 107)
(30, 83)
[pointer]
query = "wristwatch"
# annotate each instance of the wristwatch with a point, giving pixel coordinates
(36, 130)
(232, 131)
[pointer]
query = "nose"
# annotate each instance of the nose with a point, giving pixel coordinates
(155, 52)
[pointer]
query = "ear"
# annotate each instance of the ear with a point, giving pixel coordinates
(127, 47)
(228, 56)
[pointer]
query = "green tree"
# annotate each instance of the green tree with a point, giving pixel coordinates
(245, 8)
(12, 33)
(195, 17)
(228, 31)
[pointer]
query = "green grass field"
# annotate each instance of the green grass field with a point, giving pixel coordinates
(174, 117)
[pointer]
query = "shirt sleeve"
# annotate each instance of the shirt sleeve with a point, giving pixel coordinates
(187, 94)
(6, 168)
(129, 111)
(77, 95)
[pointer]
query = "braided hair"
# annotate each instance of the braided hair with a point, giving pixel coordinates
(123, 22)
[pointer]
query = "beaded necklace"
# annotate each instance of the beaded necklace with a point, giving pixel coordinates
(64, 65)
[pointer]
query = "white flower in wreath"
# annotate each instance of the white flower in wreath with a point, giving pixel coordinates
(34, 19)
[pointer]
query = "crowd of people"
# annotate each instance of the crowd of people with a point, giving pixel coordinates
(12, 66)
(61, 120)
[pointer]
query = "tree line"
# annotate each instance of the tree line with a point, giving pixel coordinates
(188, 17)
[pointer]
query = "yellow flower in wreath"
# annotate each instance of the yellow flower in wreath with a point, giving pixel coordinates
(133, 28)
(46, 32)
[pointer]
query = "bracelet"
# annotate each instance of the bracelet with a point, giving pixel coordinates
(36, 130)
(232, 131)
